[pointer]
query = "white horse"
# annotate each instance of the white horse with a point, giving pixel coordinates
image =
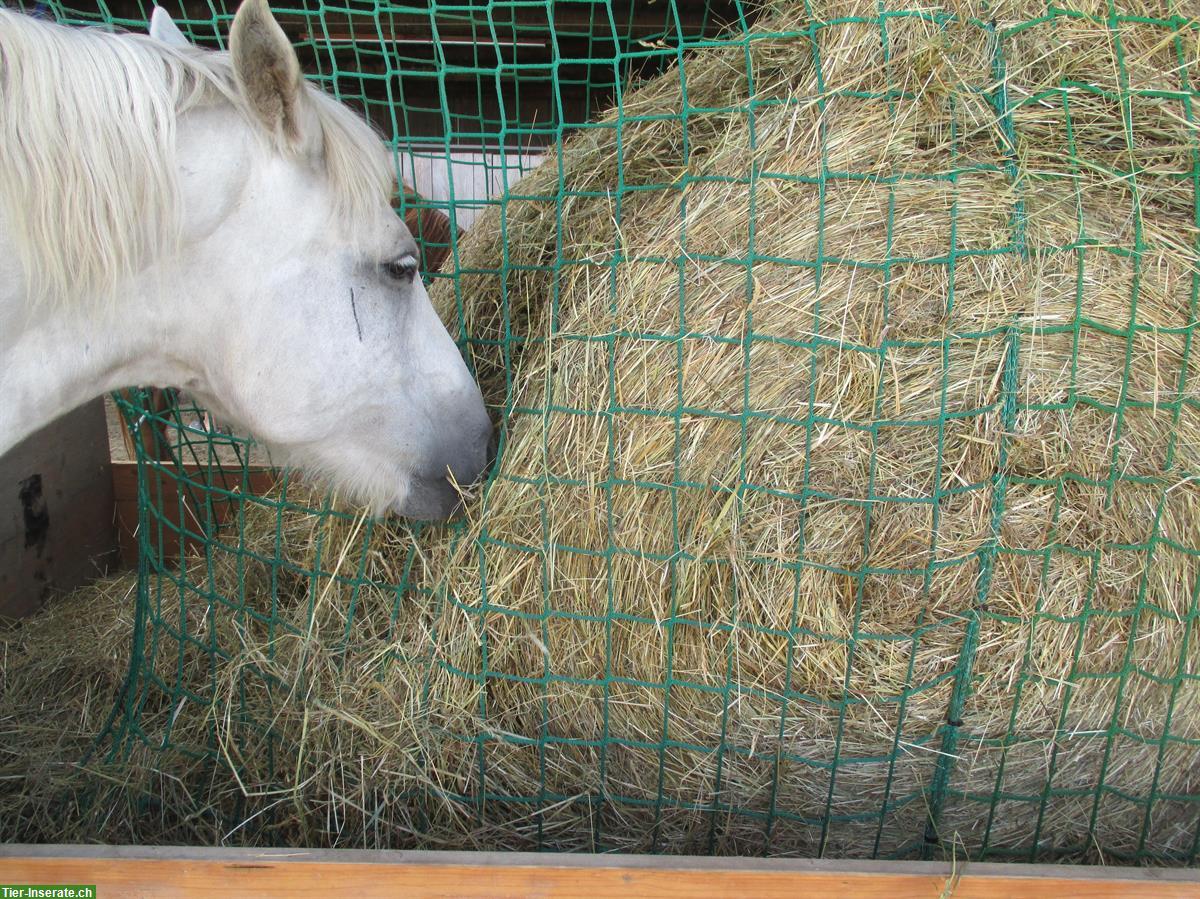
(175, 216)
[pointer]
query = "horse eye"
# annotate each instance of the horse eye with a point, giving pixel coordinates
(402, 269)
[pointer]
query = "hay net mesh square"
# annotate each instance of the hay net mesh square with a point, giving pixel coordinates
(845, 500)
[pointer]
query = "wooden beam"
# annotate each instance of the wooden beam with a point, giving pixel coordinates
(153, 871)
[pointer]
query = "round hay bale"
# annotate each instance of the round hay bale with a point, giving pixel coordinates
(847, 481)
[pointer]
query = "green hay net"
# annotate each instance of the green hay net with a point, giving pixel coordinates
(208, 693)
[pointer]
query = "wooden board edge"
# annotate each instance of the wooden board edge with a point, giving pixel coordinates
(128, 468)
(142, 870)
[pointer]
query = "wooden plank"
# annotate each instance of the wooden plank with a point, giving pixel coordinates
(169, 507)
(171, 871)
(56, 511)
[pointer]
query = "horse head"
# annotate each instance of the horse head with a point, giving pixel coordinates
(277, 285)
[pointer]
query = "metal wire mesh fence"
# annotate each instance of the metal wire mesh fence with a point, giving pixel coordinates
(844, 500)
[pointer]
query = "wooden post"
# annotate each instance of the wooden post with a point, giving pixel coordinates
(151, 434)
(56, 510)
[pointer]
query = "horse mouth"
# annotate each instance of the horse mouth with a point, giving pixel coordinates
(444, 497)
(430, 499)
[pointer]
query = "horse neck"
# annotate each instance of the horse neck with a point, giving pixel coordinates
(151, 330)
(56, 356)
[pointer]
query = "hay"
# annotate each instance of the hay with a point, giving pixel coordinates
(882, 540)
(64, 671)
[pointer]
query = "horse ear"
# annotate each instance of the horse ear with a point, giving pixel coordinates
(266, 69)
(164, 29)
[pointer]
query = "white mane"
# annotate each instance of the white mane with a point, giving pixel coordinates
(87, 149)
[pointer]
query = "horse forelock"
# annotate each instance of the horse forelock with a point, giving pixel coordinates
(88, 181)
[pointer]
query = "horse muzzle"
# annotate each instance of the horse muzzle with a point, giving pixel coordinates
(432, 494)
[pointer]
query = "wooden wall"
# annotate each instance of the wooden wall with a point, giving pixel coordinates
(56, 510)
(511, 72)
